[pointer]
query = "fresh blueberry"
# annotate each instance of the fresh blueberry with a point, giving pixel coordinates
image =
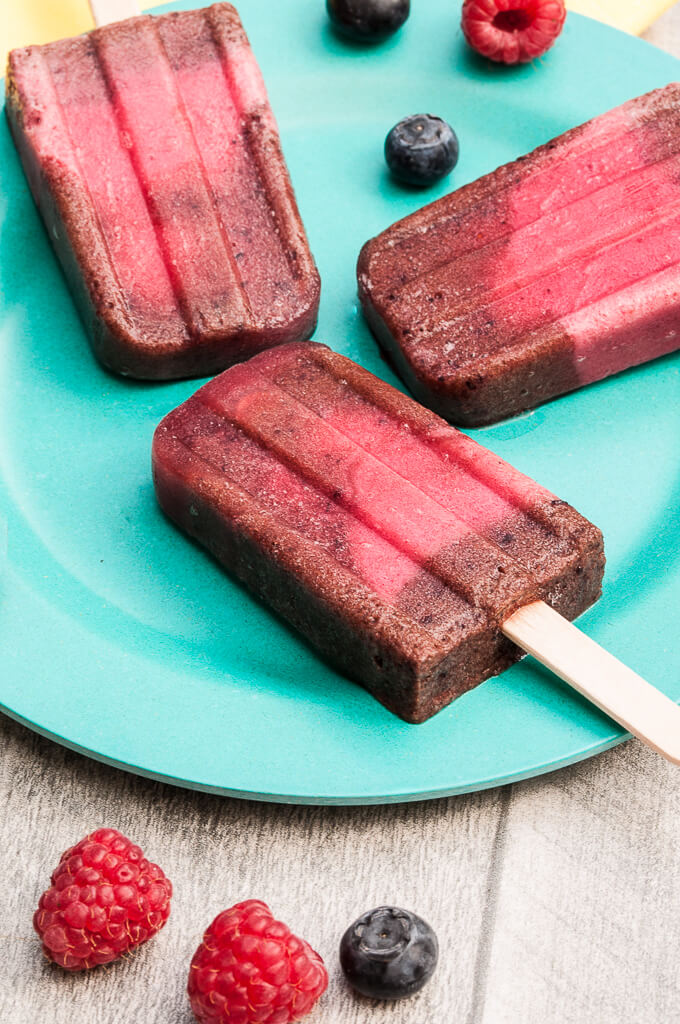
(368, 20)
(421, 149)
(388, 953)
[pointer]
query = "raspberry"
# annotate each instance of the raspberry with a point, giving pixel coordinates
(512, 31)
(250, 969)
(105, 899)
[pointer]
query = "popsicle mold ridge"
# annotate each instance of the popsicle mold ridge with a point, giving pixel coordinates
(551, 272)
(395, 544)
(154, 158)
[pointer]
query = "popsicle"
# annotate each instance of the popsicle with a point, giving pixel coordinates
(396, 544)
(547, 274)
(154, 158)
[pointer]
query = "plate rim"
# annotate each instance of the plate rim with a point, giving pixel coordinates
(405, 795)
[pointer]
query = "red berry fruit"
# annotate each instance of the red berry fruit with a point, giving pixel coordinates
(512, 31)
(251, 969)
(105, 899)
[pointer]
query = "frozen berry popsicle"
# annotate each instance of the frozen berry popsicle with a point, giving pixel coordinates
(394, 543)
(549, 273)
(154, 158)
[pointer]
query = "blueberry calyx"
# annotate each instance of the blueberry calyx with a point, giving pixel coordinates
(421, 149)
(368, 20)
(388, 953)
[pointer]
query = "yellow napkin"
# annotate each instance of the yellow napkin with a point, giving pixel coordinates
(39, 21)
(630, 15)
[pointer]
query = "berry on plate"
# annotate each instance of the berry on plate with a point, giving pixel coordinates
(388, 953)
(251, 969)
(512, 31)
(421, 149)
(368, 21)
(105, 900)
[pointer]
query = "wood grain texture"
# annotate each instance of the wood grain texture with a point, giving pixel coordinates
(318, 868)
(586, 900)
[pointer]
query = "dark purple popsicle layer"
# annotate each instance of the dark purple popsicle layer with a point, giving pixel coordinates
(550, 273)
(154, 158)
(394, 543)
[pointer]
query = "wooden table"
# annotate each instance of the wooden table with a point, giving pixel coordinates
(556, 901)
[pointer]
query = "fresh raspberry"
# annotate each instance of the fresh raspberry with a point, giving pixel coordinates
(512, 31)
(105, 899)
(251, 969)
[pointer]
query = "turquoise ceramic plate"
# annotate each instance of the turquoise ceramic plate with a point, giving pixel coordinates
(120, 638)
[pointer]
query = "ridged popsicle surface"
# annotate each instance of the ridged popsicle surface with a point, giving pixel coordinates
(153, 154)
(394, 542)
(550, 273)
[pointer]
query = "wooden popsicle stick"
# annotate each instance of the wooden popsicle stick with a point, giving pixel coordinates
(600, 677)
(106, 11)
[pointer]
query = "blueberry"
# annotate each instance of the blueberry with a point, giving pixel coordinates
(368, 20)
(421, 149)
(388, 953)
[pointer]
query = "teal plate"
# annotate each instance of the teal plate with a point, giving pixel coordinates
(121, 639)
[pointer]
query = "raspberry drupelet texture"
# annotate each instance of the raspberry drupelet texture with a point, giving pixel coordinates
(251, 969)
(512, 31)
(105, 899)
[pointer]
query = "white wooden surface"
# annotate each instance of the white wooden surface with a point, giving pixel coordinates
(106, 11)
(555, 901)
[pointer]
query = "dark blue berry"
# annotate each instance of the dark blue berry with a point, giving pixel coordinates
(368, 20)
(421, 149)
(388, 953)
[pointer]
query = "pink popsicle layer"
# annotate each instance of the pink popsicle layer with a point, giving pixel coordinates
(154, 157)
(396, 544)
(550, 273)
